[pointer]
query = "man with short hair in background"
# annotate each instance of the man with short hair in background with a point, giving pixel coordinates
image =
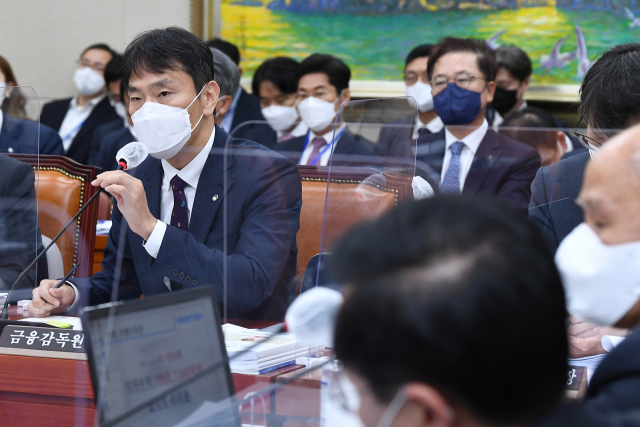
(76, 119)
(538, 129)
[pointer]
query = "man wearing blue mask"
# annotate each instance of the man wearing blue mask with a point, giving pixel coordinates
(203, 209)
(471, 158)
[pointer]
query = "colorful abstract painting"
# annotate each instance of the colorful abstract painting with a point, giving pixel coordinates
(374, 36)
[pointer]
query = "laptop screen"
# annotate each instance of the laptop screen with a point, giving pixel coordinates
(151, 360)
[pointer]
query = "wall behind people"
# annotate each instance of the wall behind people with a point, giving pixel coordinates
(43, 37)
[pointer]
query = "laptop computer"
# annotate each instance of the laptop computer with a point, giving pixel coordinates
(158, 361)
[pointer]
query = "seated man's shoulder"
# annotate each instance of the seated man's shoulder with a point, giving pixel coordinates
(252, 154)
(16, 172)
(293, 144)
(517, 148)
(57, 103)
(569, 166)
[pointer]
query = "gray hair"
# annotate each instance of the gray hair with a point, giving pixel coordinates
(226, 72)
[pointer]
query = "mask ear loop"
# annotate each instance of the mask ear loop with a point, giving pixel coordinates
(393, 409)
(189, 106)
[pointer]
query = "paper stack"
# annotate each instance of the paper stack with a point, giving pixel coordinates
(278, 352)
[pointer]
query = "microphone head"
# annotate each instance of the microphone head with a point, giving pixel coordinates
(311, 318)
(133, 154)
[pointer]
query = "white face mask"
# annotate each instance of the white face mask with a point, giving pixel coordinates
(164, 129)
(593, 150)
(280, 117)
(421, 93)
(317, 113)
(601, 282)
(87, 81)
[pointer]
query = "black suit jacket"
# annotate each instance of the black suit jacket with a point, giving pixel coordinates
(501, 167)
(111, 144)
(27, 137)
(248, 110)
(98, 139)
(19, 231)
(262, 200)
(347, 151)
(53, 115)
(613, 393)
(396, 139)
(553, 194)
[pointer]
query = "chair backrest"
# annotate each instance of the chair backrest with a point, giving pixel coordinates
(345, 205)
(62, 187)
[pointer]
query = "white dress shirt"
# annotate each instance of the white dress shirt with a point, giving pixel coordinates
(434, 126)
(471, 144)
(75, 118)
(189, 174)
(324, 158)
(227, 120)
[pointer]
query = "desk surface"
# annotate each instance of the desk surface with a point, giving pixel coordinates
(58, 392)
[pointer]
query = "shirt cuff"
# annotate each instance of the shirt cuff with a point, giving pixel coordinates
(152, 245)
(76, 299)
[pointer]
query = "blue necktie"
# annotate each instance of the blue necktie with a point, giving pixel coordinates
(451, 182)
(180, 214)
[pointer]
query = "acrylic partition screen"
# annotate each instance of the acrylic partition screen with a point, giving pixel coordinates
(21, 237)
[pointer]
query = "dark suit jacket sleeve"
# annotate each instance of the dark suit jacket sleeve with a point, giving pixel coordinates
(539, 211)
(516, 190)
(99, 288)
(50, 141)
(266, 235)
(18, 222)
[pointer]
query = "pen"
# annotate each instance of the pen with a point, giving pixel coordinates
(67, 276)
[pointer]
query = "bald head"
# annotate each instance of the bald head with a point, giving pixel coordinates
(610, 195)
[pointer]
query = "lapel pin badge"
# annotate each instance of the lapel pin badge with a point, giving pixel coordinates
(215, 197)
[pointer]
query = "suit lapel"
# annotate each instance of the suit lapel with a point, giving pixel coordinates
(210, 193)
(486, 156)
(430, 151)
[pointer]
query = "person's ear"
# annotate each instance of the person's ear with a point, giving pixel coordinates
(491, 91)
(562, 140)
(344, 97)
(209, 97)
(224, 104)
(434, 409)
(525, 85)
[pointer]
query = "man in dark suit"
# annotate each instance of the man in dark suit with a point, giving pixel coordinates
(398, 139)
(598, 262)
(23, 136)
(19, 231)
(76, 119)
(183, 227)
(323, 86)
(467, 156)
(244, 107)
(609, 100)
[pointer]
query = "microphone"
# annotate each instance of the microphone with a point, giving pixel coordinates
(311, 318)
(128, 157)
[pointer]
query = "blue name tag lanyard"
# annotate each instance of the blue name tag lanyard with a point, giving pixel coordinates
(73, 131)
(328, 146)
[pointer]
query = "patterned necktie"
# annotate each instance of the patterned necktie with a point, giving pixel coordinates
(180, 214)
(318, 142)
(451, 182)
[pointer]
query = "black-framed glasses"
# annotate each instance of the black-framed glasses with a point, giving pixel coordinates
(588, 142)
(462, 80)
